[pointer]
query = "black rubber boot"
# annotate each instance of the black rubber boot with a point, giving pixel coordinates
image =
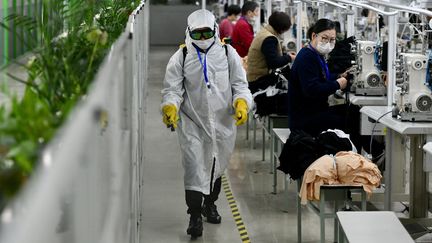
(211, 213)
(194, 201)
(209, 209)
(195, 228)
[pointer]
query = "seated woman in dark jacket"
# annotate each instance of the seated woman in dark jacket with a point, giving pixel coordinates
(311, 83)
(265, 53)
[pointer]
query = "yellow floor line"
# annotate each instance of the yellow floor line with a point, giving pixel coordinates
(235, 212)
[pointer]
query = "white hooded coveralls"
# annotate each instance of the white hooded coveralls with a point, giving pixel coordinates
(206, 129)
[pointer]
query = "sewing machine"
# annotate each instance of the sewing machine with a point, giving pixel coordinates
(413, 97)
(367, 78)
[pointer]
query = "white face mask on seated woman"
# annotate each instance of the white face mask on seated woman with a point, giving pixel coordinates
(324, 48)
(325, 42)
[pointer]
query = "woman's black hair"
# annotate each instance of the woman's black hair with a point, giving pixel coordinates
(280, 22)
(320, 26)
(364, 12)
(337, 26)
(249, 6)
(233, 9)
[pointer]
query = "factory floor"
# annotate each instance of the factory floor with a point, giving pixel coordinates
(267, 217)
(264, 217)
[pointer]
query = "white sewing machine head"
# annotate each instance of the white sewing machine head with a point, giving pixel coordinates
(367, 77)
(413, 97)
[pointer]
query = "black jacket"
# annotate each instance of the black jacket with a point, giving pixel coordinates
(341, 58)
(301, 150)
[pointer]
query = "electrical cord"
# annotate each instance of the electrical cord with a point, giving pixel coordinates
(372, 132)
(347, 99)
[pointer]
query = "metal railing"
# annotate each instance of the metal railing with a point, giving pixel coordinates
(13, 41)
(87, 188)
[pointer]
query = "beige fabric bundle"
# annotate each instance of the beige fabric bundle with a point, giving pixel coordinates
(346, 168)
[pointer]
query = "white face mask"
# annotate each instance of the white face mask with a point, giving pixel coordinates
(252, 20)
(203, 44)
(325, 48)
(235, 20)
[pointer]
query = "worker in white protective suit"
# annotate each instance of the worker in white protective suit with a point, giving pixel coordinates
(205, 96)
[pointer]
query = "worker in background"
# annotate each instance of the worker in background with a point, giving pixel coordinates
(243, 33)
(226, 26)
(205, 96)
(311, 83)
(265, 53)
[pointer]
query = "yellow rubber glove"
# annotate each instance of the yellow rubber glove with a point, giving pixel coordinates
(170, 117)
(241, 111)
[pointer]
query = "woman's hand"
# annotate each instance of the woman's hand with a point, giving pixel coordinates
(344, 75)
(384, 78)
(292, 55)
(342, 82)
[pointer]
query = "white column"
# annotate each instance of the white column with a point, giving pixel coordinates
(221, 8)
(269, 9)
(350, 21)
(283, 6)
(257, 26)
(299, 25)
(340, 19)
(203, 4)
(391, 57)
(321, 10)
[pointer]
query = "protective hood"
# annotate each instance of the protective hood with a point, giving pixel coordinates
(201, 19)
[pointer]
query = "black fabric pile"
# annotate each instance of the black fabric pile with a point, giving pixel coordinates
(340, 59)
(263, 82)
(276, 104)
(301, 150)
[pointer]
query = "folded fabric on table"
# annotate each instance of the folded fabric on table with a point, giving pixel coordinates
(355, 169)
(346, 168)
(321, 172)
